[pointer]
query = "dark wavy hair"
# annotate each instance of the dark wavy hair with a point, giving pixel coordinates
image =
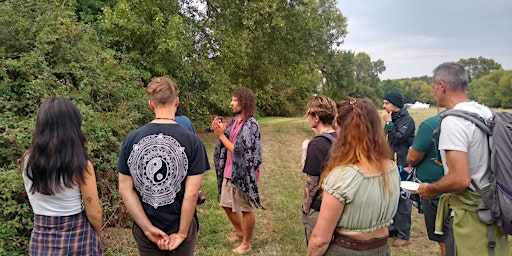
(247, 100)
(57, 156)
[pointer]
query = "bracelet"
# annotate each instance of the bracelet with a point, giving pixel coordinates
(390, 123)
(181, 235)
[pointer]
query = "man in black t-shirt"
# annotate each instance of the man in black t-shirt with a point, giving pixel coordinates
(160, 171)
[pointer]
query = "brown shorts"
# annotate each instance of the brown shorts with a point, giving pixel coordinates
(231, 197)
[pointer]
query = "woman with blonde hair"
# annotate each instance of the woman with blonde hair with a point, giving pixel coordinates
(360, 186)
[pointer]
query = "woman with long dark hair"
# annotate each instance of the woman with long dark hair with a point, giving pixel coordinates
(61, 184)
(360, 186)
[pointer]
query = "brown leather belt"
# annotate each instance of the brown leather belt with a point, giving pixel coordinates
(348, 243)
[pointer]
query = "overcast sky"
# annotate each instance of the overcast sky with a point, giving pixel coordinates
(413, 36)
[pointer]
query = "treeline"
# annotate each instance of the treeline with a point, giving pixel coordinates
(101, 54)
(489, 84)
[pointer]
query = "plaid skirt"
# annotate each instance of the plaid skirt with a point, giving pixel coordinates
(64, 235)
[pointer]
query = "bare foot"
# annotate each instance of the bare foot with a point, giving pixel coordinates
(235, 238)
(242, 248)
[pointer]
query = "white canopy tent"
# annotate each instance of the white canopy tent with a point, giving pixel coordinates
(419, 105)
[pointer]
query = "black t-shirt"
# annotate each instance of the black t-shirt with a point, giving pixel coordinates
(159, 157)
(317, 155)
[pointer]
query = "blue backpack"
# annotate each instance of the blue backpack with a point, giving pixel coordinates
(496, 205)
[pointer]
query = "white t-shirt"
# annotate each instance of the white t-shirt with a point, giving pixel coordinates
(460, 134)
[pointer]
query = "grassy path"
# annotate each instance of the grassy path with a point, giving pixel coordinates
(278, 230)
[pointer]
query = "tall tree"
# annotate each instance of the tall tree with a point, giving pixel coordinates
(494, 89)
(366, 76)
(484, 91)
(388, 85)
(274, 47)
(478, 67)
(367, 72)
(504, 91)
(160, 38)
(154, 36)
(363, 68)
(339, 75)
(409, 93)
(421, 91)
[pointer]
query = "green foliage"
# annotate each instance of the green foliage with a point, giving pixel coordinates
(339, 75)
(504, 91)
(274, 48)
(349, 74)
(493, 90)
(484, 92)
(420, 91)
(101, 54)
(478, 67)
(366, 71)
(15, 213)
(153, 37)
(159, 39)
(388, 85)
(412, 89)
(89, 10)
(49, 53)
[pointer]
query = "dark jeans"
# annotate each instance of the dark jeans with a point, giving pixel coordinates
(401, 227)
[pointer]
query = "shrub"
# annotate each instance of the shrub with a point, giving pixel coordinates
(15, 214)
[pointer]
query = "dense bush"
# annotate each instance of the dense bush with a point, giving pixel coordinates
(15, 213)
(101, 54)
(49, 53)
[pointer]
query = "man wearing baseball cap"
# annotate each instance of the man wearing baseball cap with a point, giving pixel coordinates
(399, 130)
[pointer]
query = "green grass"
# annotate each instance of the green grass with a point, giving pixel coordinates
(279, 230)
